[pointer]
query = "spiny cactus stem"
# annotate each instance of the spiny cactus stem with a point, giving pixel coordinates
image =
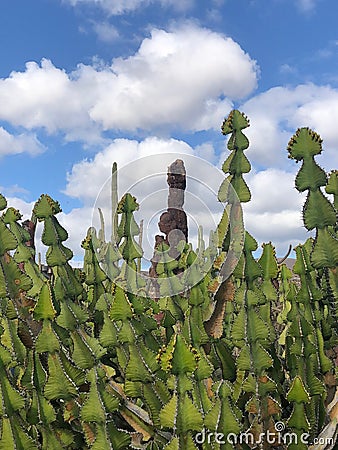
(114, 203)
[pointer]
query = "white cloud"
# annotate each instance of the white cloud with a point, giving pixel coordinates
(182, 78)
(275, 210)
(10, 191)
(175, 78)
(88, 177)
(138, 173)
(117, 7)
(273, 190)
(24, 207)
(76, 222)
(142, 170)
(23, 143)
(45, 96)
(277, 113)
(105, 31)
(274, 213)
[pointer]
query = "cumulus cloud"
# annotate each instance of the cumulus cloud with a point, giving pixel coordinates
(45, 96)
(87, 177)
(23, 143)
(24, 207)
(275, 210)
(187, 77)
(118, 7)
(273, 190)
(179, 76)
(274, 213)
(142, 171)
(277, 113)
(184, 78)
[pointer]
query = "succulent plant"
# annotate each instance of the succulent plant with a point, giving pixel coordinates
(89, 360)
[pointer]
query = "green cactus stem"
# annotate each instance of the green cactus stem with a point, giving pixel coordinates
(332, 187)
(57, 255)
(128, 247)
(94, 275)
(24, 255)
(318, 212)
(114, 204)
(237, 163)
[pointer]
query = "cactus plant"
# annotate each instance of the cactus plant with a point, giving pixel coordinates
(90, 361)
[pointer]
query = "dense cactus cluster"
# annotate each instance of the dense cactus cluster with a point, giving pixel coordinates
(242, 358)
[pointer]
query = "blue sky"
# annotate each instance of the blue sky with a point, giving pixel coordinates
(86, 82)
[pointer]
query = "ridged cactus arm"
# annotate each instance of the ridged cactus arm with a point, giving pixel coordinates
(305, 352)
(41, 413)
(167, 281)
(99, 404)
(114, 204)
(230, 231)
(102, 230)
(53, 233)
(140, 243)
(318, 212)
(332, 187)
(107, 255)
(70, 347)
(57, 256)
(298, 421)
(287, 289)
(304, 145)
(129, 248)
(24, 254)
(94, 275)
(224, 417)
(198, 300)
(180, 414)
(3, 202)
(268, 263)
(253, 337)
(8, 241)
(237, 163)
(330, 276)
(252, 269)
(13, 434)
(12, 280)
